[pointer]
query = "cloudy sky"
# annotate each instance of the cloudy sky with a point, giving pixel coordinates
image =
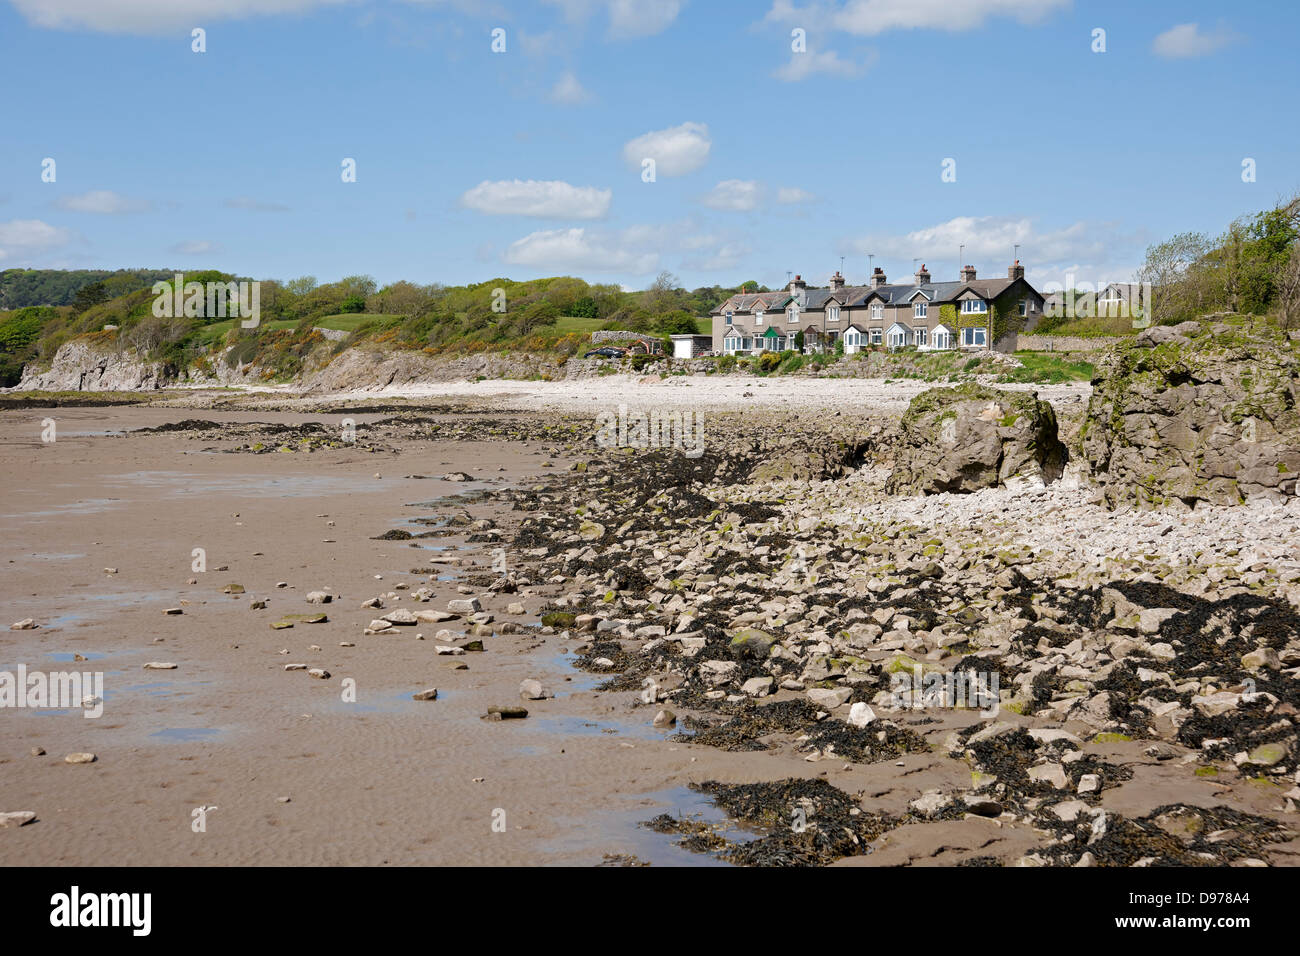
(783, 135)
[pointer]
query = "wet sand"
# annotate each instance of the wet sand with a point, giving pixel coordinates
(384, 780)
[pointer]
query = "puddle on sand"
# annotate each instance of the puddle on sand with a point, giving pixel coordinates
(70, 657)
(620, 831)
(175, 484)
(389, 702)
(89, 608)
(166, 688)
(187, 735)
(582, 681)
(85, 506)
(575, 726)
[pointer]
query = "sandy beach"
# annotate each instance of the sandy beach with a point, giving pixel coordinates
(346, 768)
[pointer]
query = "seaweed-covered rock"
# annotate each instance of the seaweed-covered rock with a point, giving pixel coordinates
(971, 437)
(1196, 412)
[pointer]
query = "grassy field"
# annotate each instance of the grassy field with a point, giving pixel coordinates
(1048, 368)
(569, 323)
(347, 322)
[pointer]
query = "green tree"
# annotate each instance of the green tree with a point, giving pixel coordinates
(89, 296)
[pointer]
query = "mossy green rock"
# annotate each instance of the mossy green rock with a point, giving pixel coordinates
(751, 643)
(1266, 755)
(1196, 412)
(972, 437)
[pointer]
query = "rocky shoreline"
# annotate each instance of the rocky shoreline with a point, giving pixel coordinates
(937, 636)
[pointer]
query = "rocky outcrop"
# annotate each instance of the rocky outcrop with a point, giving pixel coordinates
(971, 437)
(85, 366)
(1196, 412)
(366, 369)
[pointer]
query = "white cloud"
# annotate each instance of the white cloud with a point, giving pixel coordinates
(20, 239)
(150, 16)
(196, 247)
(256, 205)
(874, 17)
(989, 239)
(541, 200)
(102, 202)
(576, 11)
(727, 256)
(627, 18)
(641, 18)
(569, 91)
(577, 251)
(735, 195)
(1186, 40)
(536, 44)
(793, 194)
(803, 65)
(676, 151)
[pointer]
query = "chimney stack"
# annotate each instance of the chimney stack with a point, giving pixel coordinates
(1017, 271)
(878, 278)
(922, 275)
(797, 284)
(967, 273)
(837, 281)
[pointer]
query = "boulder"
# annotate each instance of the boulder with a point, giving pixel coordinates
(1196, 412)
(829, 698)
(971, 437)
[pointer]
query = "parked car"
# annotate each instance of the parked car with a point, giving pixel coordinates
(606, 351)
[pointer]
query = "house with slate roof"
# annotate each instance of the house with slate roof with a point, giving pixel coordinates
(967, 313)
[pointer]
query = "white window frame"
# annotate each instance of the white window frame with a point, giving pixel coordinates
(901, 336)
(920, 335)
(974, 306)
(968, 333)
(877, 336)
(919, 308)
(878, 310)
(1024, 306)
(758, 318)
(833, 314)
(729, 317)
(942, 339)
(793, 314)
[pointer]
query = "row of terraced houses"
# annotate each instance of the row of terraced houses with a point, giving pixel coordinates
(969, 313)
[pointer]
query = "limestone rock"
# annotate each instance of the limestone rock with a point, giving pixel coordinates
(971, 437)
(1196, 412)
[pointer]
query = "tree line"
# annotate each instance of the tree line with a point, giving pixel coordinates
(1252, 267)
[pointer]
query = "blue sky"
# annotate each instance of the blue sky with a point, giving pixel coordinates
(472, 164)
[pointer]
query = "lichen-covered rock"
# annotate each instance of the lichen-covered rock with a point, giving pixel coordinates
(94, 366)
(971, 437)
(1196, 412)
